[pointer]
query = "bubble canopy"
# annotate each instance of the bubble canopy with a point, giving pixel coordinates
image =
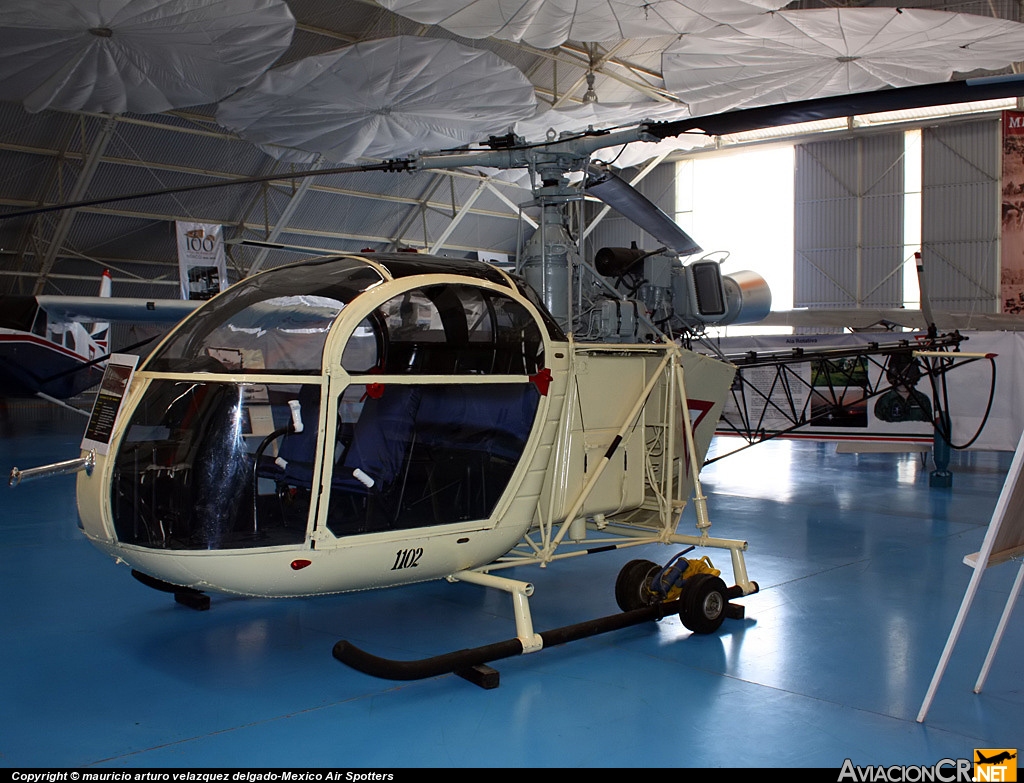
(276, 322)
(332, 398)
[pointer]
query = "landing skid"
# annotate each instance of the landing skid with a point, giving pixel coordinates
(470, 664)
(186, 596)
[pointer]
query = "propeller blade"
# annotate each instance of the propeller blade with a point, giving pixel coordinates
(630, 203)
(895, 99)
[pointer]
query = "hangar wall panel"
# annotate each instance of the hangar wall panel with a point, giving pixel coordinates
(960, 205)
(849, 222)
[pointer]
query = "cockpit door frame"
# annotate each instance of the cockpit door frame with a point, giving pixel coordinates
(337, 379)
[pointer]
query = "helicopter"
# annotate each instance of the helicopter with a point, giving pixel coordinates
(372, 420)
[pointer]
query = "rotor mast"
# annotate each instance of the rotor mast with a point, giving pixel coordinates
(550, 260)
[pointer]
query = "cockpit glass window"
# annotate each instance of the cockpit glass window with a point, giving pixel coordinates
(276, 322)
(217, 466)
(447, 330)
(415, 455)
(480, 322)
(362, 350)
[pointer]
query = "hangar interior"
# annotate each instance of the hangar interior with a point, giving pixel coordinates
(857, 558)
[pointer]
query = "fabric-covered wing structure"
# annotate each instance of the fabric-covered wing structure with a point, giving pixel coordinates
(142, 56)
(382, 98)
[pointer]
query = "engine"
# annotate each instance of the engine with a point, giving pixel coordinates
(684, 297)
(628, 290)
(631, 295)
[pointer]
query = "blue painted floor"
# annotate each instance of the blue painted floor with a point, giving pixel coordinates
(859, 563)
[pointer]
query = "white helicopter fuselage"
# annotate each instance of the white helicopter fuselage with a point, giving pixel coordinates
(423, 424)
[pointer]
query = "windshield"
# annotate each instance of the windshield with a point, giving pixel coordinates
(274, 322)
(18, 312)
(206, 465)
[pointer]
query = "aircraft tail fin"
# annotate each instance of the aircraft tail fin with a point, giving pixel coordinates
(105, 283)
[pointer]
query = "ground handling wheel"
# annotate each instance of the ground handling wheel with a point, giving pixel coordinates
(704, 603)
(633, 585)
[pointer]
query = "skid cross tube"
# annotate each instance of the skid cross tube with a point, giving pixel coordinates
(454, 662)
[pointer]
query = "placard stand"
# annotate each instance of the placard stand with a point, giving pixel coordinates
(1003, 541)
(1007, 611)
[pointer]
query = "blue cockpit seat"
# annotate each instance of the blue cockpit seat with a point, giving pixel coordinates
(429, 454)
(296, 451)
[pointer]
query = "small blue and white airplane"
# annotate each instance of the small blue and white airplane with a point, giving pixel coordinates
(56, 346)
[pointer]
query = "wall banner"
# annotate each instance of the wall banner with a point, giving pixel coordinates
(1011, 286)
(202, 265)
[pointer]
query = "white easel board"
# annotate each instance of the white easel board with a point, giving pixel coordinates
(1004, 541)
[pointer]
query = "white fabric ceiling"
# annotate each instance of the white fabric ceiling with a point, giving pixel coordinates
(793, 55)
(549, 23)
(142, 56)
(63, 153)
(383, 99)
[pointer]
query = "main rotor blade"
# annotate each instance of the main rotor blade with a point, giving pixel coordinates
(399, 165)
(895, 99)
(631, 203)
(735, 121)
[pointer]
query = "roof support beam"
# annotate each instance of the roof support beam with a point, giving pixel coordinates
(421, 205)
(637, 80)
(60, 234)
(284, 218)
(439, 243)
(511, 204)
